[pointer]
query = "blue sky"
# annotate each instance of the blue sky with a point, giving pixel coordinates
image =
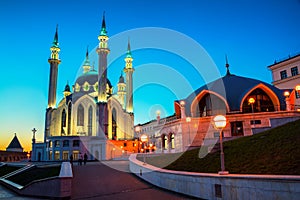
(252, 33)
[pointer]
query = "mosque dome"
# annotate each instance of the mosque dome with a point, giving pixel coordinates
(90, 78)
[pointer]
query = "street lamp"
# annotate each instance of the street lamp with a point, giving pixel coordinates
(252, 101)
(188, 120)
(144, 139)
(219, 124)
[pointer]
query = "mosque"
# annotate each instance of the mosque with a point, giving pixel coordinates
(90, 118)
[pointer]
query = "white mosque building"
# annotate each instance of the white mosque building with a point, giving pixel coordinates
(91, 117)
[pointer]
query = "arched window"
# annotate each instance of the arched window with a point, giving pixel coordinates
(210, 105)
(263, 102)
(63, 121)
(165, 142)
(80, 115)
(90, 121)
(114, 124)
(172, 141)
(69, 117)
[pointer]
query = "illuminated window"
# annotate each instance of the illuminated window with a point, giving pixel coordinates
(77, 87)
(114, 124)
(90, 121)
(69, 117)
(166, 142)
(86, 86)
(172, 138)
(50, 143)
(263, 102)
(50, 155)
(63, 121)
(294, 71)
(96, 87)
(65, 155)
(75, 155)
(56, 155)
(283, 74)
(80, 115)
(56, 143)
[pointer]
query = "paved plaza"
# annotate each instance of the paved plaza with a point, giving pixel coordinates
(107, 180)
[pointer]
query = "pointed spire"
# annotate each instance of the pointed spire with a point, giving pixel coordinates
(86, 64)
(87, 52)
(128, 54)
(55, 41)
(103, 21)
(121, 79)
(103, 31)
(227, 66)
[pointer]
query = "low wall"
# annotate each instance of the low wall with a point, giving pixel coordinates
(54, 187)
(214, 186)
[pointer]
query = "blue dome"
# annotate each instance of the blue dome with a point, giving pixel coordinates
(91, 77)
(233, 88)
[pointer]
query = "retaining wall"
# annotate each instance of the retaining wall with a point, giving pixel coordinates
(54, 187)
(214, 186)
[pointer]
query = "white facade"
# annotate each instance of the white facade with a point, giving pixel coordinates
(286, 76)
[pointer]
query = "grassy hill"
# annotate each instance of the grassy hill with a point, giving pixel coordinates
(276, 151)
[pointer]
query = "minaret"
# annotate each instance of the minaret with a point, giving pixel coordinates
(102, 51)
(86, 65)
(129, 85)
(122, 90)
(54, 62)
(67, 90)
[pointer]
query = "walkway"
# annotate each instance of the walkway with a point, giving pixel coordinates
(6, 194)
(111, 180)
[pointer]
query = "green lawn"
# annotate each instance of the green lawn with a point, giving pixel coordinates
(276, 151)
(36, 173)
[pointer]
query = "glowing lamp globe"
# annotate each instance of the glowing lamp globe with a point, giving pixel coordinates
(219, 121)
(286, 93)
(251, 100)
(188, 119)
(297, 88)
(144, 138)
(182, 103)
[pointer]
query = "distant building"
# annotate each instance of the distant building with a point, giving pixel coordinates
(250, 106)
(14, 152)
(286, 76)
(91, 118)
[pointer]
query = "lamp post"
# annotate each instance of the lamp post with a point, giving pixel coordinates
(219, 124)
(144, 139)
(188, 120)
(252, 101)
